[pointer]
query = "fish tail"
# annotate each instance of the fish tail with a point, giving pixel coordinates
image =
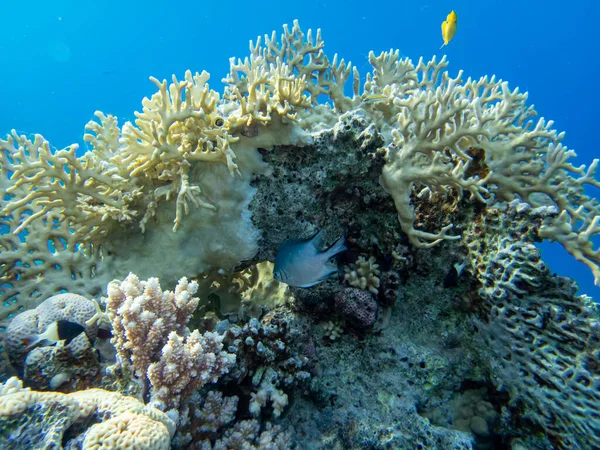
(337, 247)
(49, 335)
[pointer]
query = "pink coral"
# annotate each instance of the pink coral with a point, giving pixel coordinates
(186, 365)
(143, 315)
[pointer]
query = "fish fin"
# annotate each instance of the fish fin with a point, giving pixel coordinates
(34, 342)
(337, 247)
(442, 46)
(328, 270)
(317, 239)
(307, 285)
(444, 32)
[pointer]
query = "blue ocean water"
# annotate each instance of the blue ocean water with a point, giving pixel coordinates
(62, 60)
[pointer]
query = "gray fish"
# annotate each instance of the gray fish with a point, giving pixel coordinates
(61, 330)
(301, 264)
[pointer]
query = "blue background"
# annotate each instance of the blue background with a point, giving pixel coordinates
(63, 60)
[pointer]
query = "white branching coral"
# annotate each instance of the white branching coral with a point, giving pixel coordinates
(178, 125)
(143, 316)
(179, 122)
(306, 59)
(186, 365)
(151, 338)
(260, 89)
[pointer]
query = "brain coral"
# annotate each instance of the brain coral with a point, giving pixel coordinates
(98, 418)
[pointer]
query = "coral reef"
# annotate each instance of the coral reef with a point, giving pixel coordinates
(442, 330)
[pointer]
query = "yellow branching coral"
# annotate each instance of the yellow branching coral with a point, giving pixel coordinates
(81, 190)
(248, 290)
(480, 137)
(179, 122)
(261, 88)
(45, 260)
(321, 75)
(389, 70)
(57, 212)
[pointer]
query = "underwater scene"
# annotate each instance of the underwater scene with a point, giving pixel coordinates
(325, 225)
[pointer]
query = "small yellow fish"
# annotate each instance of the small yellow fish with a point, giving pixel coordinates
(449, 28)
(374, 98)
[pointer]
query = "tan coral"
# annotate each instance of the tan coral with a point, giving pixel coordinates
(143, 315)
(245, 291)
(47, 259)
(178, 125)
(261, 88)
(128, 431)
(363, 274)
(125, 422)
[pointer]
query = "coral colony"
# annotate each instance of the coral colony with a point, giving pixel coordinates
(440, 329)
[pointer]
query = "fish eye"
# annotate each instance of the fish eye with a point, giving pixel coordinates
(219, 122)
